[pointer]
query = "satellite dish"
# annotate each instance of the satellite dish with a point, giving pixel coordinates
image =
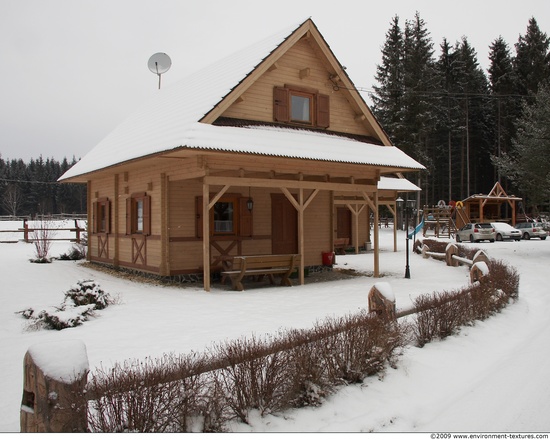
(159, 63)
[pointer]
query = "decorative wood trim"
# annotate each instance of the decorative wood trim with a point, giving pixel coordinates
(285, 183)
(103, 246)
(139, 251)
(304, 73)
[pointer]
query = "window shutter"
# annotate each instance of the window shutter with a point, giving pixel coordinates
(323, 111)
(281, 108)
(94, 218)
(129, 216)
(198, 216)
(147, 215)
(245, 218)
(107, 216)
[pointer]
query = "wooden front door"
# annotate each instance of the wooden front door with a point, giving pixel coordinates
(284, 225)
(343, 223)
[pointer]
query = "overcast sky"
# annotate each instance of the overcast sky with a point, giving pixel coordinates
(72, 70)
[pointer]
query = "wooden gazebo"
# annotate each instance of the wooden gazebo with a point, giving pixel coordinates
(487, 207)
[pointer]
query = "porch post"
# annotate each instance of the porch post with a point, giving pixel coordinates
(206, 235)
(116, 215)
(301, 235)
(164, 235)
(391, 206)
(89, 221)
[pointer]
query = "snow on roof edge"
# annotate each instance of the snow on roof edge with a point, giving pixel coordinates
(269, 141)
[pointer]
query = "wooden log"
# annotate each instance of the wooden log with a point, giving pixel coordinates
(55, 376)
(382, 301)
(479, 270)
(450, 252)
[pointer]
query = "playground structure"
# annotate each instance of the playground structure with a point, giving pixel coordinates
(444, 220)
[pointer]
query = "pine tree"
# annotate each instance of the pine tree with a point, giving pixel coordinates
(505, 103)
(419, 83)
(528, 164)
(476, 140)
(531, 63)
(448, 123)
(387, 100)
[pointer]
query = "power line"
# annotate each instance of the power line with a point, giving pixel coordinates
(28, 181)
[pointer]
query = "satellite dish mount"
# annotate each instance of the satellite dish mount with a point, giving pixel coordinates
(159, 63)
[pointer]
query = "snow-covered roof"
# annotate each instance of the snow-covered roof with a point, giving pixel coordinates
(396, 184)
(170, 120)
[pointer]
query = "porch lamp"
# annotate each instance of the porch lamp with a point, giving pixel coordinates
(249, 202)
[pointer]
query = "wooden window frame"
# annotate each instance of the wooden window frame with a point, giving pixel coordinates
(101, 222)
(319, 108)
(136, 224)
(234, 200)
(242, 217)
(309, 97)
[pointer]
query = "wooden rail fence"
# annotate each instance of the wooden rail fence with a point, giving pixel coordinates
(29, 238)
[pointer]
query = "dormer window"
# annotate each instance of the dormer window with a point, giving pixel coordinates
(301, 106)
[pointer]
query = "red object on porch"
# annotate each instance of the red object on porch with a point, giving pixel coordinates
(328, 258)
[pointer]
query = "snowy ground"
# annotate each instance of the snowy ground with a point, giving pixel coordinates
(493, 376)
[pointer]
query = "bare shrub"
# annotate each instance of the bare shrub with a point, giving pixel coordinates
(161, 395)
(42, 237)
(358, 346)
(309, 384)
(438, 315)
(253, 376)
(504, 278)
(441, 314)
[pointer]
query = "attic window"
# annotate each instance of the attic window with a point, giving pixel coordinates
(301, 106)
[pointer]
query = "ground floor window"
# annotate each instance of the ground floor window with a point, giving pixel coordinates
(138, 214)
(229, 216)
(102, 216)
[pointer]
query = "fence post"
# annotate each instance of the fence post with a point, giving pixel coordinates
(382, 301)
(55, 376)
(77, 231)
(25, 231)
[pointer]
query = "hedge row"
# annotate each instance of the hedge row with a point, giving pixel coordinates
(297, 368)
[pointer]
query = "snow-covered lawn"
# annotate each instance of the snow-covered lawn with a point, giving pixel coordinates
(493, 376)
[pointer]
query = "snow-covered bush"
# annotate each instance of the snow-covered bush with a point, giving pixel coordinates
(77, 252)
(88, 292)
(79, 304)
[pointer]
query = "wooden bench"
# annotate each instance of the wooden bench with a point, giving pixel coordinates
(340, 245)
(262, 265)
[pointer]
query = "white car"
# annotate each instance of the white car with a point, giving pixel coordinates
(476, 232)
(532, 230)
(506, 232)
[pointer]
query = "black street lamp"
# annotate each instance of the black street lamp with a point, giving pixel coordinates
(407, 207)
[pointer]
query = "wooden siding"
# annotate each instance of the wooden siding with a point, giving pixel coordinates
(186, 247)
(180, 250)
(257, 101)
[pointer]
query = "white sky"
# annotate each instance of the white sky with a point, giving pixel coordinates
(72, 70)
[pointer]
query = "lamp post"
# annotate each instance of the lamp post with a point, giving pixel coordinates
(407, 206)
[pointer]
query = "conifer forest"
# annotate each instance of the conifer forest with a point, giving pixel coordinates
(470, 128)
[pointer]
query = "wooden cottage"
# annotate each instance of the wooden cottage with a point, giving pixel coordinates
(249, 156)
